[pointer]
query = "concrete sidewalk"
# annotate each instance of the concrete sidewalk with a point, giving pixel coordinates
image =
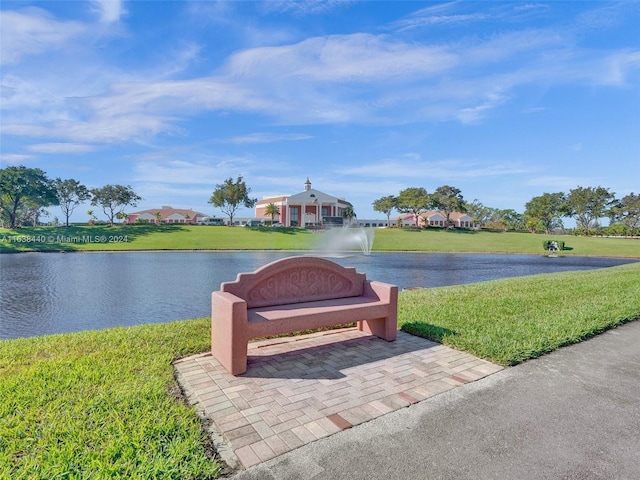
(572, 414)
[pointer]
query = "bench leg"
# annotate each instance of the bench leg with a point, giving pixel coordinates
(232, 357)
(229, 334)
(385, 328)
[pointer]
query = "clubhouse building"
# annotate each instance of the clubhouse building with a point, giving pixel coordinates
(309, 208)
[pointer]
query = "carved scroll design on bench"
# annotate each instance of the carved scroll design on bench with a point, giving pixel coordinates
(299, 282)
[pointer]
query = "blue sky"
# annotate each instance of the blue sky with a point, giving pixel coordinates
(503, 100)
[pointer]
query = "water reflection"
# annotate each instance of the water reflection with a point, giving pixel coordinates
(55, 293)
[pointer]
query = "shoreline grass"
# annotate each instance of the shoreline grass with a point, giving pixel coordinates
(103, 404)
(188, 237)
(512, 320)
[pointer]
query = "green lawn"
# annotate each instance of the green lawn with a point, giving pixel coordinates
(101, 405)
(187, 237)
(509, 321)
(151, 237)
(104, 405)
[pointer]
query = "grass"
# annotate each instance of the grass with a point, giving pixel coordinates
(189, 237)
(512, 320)
(151, 237)
(101, 405)
(438, 240)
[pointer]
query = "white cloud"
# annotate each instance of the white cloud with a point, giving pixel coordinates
(32, 31)
(267, 138)
(303, 8)
(15, 158)
(606, 15)
(109, 11)
(61, 148)
(342, 58)
(407, 165)
(172, 172)
(398, 168)
(475, 114)
(97, 130)
(420, 20)
(440, 14)
(191, 173)
(618, 67)
(359, 78)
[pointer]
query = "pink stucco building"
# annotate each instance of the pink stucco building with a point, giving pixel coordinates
(310, 207)
(167, 214)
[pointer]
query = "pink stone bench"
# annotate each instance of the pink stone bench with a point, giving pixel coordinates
(293, 294)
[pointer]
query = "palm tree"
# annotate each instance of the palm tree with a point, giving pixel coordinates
(123, 216)
(158, 218)
(273, 210)
(349, 213)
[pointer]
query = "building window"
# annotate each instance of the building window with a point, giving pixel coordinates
(295, 216)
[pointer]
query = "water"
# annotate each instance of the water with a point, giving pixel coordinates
(43, 293)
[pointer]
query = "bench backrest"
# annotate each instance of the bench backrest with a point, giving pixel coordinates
(295, 280)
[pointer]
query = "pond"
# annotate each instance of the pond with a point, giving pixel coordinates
(44, 293)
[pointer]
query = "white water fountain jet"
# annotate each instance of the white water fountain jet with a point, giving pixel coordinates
(337, 242)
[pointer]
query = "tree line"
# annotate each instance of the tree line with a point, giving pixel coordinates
(26, 192)
(587, 205)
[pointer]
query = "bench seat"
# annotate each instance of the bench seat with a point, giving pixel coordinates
(308, 315)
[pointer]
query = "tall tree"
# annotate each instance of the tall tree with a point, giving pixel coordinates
(627, 211)
(511, 219)
(23, 189)
(230, 195)
(385, 205)
(113, 198)
(479, 214)
(31, 213)
(272, 210)
(70, 193)
(588, 204)
(413, 200)
(448, 199)
(546, 210)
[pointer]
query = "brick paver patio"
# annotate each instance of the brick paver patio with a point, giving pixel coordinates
(300, 389)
